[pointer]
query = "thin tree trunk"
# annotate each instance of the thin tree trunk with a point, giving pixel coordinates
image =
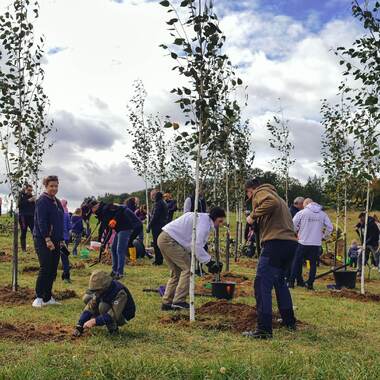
(228, 223)
(194, 232)
(337, 231)
(345, 223)
(362, 278)
(147, 212)
(217, 252)
(15, 252)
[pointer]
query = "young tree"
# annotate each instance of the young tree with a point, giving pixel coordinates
(361, 62)
(196, 48)
(338, 158)
(158, 154)
(23, 127)
(280, 141)
(142, 130)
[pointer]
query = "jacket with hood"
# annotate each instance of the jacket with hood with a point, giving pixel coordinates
(272, 215)
(102, 288)
(312, 225)
(159, 216)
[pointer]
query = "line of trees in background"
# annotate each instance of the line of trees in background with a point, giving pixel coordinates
(315, 187)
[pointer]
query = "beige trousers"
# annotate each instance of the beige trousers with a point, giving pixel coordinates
(179, 261)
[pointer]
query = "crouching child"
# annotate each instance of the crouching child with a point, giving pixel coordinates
(108, 303)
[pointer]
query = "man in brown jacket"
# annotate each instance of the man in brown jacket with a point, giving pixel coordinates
(279, 242)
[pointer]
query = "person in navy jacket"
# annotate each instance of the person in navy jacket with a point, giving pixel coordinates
(48, 237)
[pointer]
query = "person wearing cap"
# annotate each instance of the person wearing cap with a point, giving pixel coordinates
(279, 242)
(175, 243)
(108, 303)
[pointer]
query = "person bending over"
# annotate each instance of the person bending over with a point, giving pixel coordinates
(175, 243)
(108, 303)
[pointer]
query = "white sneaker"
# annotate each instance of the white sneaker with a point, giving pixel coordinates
(52, 301)
(38, 302)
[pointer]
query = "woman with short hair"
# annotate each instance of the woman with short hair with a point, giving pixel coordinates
(48, 236)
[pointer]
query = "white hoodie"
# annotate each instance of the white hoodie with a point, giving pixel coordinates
(312, 225)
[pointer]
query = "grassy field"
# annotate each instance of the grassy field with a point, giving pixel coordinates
(340, 338)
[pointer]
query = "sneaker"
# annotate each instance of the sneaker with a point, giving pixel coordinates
(309, 286)
(156, 263)
(167, 307)
(113, 274)
(258, 334)
(290, 327)
(38, 302)
(118, 277)
(180, 305)
(51, 302)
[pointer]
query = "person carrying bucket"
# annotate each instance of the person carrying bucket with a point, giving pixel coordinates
(279, 242)
(175, 244)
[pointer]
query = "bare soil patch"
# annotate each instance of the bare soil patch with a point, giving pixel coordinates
(351, 294)
(29, 332)
(4, 257)
(26, 295)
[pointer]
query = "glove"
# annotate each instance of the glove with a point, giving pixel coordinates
(78, 331)
(214, 267)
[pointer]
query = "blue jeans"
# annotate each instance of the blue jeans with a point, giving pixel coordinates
(119, 250)
(305, 252)
(65, 266)
(275, 258)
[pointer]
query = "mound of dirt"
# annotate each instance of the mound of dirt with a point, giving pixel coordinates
(27, 332)
(26, 295)
(222, 315)
(351, 294)
(31, 268)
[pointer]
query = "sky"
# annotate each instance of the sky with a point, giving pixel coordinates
(97, 48)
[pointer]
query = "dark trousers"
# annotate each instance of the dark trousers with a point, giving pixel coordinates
(275, 258)
(157, 252)
(48, 268)
(26, 221)
(305, 252)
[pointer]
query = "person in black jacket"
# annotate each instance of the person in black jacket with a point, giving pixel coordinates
(158, 220)
(372, 240)
(48, 237)
(127, 227)
(297, 206)
(27, 204)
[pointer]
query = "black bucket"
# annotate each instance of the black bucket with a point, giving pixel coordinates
(345, 279)
(223, 290)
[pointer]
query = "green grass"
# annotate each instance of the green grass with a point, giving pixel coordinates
(340, 341)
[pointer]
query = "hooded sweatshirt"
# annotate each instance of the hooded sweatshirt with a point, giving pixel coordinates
(272, 215)
(312, 225)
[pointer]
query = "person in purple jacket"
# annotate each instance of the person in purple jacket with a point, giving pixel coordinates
(48, 237)
(66, 235)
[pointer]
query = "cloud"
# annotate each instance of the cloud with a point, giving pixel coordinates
(83, 133)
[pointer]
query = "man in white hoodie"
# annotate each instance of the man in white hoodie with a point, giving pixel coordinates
(312, 226)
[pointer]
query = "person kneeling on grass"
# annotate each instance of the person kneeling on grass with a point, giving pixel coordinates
(175, 245)
(108, 303)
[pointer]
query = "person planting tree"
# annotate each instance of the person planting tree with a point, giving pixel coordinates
(108, 303)
(312, 226)
(125, 223)
(175, 244)
(279, 242)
